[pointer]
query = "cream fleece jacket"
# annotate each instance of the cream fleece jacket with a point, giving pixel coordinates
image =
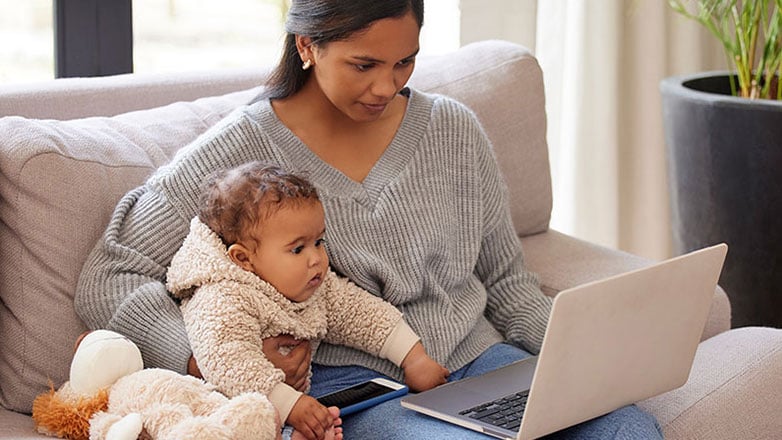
(229, 311)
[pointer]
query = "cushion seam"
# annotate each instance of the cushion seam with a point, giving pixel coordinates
(75, 159)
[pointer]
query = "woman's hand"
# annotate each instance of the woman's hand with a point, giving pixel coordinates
(421, 371)
(192, 368)
(295, 364)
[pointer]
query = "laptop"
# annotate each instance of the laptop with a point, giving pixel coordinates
(608, 343)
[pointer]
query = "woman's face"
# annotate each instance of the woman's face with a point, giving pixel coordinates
(361, 75)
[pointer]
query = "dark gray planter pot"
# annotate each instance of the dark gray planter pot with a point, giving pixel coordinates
(725, 178)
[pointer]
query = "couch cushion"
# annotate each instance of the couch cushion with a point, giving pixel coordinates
(60, 181)
(732, 392)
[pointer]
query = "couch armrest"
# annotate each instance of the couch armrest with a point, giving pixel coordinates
(562, 261)
(733, 389)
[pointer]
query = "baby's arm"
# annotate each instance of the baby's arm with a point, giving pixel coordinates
(361, 320)
(358, 319)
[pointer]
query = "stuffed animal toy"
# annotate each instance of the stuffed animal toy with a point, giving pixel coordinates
(109, 395)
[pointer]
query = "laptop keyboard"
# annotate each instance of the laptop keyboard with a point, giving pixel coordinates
(504, 412)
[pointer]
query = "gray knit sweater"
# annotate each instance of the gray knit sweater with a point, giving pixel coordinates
(428, 230)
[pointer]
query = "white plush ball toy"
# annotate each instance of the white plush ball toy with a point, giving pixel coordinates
(102, 358)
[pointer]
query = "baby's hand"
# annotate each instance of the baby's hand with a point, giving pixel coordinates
(310, 418)
(421, 371)
(333, 433)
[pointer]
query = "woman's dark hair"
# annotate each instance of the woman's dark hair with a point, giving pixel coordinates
(325, 21)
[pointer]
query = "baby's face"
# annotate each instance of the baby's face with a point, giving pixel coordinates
(291, 255)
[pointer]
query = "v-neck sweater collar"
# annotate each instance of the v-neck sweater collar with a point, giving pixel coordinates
(331, 181)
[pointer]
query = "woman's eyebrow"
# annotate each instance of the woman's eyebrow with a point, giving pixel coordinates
(369, 59)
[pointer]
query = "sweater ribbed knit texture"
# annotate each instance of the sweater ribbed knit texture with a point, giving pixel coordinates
(428, 230)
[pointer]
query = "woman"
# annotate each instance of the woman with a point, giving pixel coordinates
(416, 213)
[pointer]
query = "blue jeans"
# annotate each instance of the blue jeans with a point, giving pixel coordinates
(390, 420)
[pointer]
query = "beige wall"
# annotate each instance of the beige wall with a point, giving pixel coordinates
(512, 20)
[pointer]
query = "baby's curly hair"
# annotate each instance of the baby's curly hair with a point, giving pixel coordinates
(233, 200)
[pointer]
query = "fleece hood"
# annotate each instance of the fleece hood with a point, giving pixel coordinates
(203, 259)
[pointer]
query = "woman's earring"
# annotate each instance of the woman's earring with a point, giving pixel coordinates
(307, 64)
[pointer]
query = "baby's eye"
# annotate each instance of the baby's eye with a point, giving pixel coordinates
(320, 242)
(297, 250)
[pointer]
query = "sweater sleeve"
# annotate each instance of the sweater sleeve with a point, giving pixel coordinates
(515, 304)
(358, 319)
(121, 286)
(284, 397)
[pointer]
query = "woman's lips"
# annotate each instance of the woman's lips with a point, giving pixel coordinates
(375, 108)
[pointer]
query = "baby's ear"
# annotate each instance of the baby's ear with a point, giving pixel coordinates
(240, 255)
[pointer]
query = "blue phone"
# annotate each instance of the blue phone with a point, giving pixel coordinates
(363, 395)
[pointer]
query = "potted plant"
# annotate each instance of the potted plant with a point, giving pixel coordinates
(723, 132)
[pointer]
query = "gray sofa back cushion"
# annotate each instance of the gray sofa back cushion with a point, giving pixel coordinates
(60, 179)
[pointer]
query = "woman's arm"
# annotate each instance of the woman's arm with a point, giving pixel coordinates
(515, 304)
(121, 285)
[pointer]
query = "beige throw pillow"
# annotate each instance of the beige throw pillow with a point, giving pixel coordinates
(59, 183)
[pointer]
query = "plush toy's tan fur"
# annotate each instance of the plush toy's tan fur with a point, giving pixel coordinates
(112, 396)
(67, 416)
(172, 406)
(177, 407)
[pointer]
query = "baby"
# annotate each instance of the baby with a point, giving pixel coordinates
(253, 266)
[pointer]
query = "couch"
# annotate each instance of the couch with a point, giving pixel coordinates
(70, 148)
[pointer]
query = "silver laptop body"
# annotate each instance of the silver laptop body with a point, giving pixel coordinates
(608, 344)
